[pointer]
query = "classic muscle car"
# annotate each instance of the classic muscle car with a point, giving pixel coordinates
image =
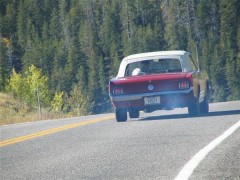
(161, 80)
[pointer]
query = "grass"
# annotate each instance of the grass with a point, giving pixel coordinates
(13, 110)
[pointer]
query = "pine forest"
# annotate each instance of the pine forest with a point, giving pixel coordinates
(63, 52)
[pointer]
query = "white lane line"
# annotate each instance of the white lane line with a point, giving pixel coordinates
(191, 165)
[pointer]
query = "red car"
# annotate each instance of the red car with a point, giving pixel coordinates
(161, 80)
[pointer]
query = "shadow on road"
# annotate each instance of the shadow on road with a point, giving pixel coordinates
(181, 116)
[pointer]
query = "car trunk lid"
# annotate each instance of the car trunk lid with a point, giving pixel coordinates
(151, 83)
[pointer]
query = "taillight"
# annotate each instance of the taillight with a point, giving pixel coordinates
(117, 90)
(183, 85)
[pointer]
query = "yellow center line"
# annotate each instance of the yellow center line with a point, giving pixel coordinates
(51, 131)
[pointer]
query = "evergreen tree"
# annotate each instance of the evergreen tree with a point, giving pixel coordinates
(58, 77)
(229, 17)
(128, 28)
(72, 64)
(54, 26)
(4, 74)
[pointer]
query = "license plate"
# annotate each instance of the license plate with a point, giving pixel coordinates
(152, 100)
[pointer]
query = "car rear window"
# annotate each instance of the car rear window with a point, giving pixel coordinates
(153, 66)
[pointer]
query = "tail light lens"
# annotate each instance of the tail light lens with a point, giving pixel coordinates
(183, 85)
(117, 90)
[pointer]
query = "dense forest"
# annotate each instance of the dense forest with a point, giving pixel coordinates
(73, 47)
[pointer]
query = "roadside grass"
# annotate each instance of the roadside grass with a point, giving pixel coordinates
(13, 110)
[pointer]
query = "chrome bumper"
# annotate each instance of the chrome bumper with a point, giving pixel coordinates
(130, 97)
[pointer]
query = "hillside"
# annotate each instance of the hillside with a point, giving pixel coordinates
(13, 111)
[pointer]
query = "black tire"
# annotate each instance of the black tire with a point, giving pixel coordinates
(204, 106)
(194, 108)
(121, 115)
(134, 113)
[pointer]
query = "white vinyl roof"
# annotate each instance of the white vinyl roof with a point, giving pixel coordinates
(154, 54)
(183, 56)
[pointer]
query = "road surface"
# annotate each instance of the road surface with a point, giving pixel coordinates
(155, 146)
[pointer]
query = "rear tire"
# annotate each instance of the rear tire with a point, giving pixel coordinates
(133, 113)
(121, 115)
(204, 106)
(194, 108)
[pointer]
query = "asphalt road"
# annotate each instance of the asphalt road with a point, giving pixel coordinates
(155, 146)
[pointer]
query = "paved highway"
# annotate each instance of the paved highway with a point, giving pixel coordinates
(155, 146)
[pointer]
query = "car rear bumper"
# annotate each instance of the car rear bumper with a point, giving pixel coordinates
(169, 99)
(130, 97)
